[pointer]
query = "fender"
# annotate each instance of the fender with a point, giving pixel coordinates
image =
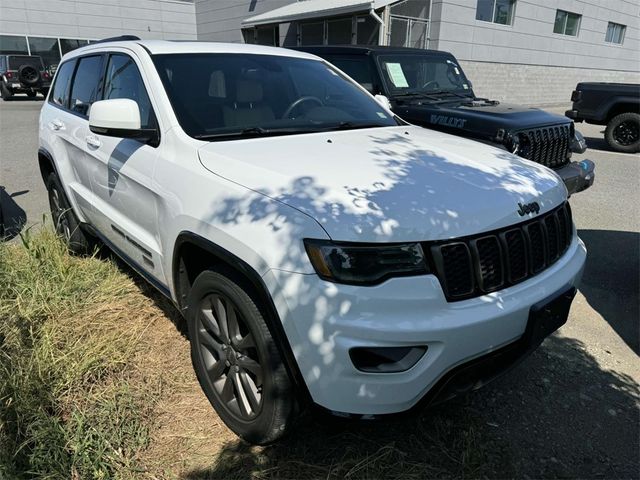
(255, 281)
(603, 111)
(44, 172)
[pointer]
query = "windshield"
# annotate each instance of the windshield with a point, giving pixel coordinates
(422, 74)
(16, 61)
(236, 95)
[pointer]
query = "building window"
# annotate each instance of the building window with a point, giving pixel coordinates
(615, 33)
(69, 44)
(312, 33)
(567, 23)
(367, 30)
(47, 48)
(11, 44)
(262, 35)
(340, 31)
(496, 11)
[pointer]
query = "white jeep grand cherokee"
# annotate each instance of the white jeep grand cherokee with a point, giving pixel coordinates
(322, 251)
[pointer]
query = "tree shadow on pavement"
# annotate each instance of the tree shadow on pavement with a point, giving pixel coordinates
(556, 415)
(614, 296)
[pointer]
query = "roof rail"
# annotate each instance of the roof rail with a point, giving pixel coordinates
(121, 38)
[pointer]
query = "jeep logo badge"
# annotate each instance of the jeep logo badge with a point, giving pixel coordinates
(532, 207)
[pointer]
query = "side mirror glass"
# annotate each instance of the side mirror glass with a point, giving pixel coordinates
(120, 118)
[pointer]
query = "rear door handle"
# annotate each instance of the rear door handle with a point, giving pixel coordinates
(93, 141)
(56, 125)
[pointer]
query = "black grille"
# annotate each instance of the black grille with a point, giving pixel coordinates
(458, 275)
(486, 263)
(548, 146)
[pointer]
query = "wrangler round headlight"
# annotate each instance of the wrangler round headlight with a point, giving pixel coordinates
(365, 264)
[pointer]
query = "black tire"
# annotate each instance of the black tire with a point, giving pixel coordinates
(65, 221)
(232, 351)
(31, 94)
(5, 92)
(623, 132)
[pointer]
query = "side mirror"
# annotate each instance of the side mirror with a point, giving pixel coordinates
(384, 101)
(119, 117)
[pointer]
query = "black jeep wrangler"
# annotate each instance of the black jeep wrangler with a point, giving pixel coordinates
(23, 74)
(429, 88)
(616, 105)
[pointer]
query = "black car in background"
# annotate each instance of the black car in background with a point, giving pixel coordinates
(23, 74)
(616, 105)
(429, 88)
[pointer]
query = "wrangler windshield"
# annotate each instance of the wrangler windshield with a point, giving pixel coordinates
(423, 74)
(16, 61)
(227, 96)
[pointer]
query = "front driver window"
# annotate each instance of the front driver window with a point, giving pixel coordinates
(123, 80)
(85, 84)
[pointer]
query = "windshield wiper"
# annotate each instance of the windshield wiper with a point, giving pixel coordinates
(253, 132)
(415, 94)
(351, 126)
(449, 92)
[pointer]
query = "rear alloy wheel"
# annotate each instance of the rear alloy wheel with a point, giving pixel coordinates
(65, 222)
(236, 360)
(623, 132)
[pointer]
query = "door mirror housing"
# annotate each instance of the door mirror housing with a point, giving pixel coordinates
(120, 117)
(384, 101)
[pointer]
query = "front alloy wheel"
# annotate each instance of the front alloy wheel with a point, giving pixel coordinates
(236, 360)
(60, 215)
(229, 354)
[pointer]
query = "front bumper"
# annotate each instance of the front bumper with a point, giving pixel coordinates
(324, 321)
(17, 87)
(577, 176)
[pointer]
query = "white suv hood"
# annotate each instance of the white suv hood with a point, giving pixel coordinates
(388, 184)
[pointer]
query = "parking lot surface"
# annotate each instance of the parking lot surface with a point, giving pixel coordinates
(572, 409)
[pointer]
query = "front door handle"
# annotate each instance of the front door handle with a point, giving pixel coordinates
(93, 141)
(56, 125)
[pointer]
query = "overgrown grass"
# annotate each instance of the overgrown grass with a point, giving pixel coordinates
(95, 382)
(70, 404)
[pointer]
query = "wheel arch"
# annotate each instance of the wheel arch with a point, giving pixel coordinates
(46, 163)
(621, 105)
(193, 254)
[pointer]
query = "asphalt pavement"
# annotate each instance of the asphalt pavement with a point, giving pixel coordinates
(569, 410)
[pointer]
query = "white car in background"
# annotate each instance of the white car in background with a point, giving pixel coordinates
(322, 250)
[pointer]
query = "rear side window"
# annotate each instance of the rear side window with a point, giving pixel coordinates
(123, 80)
(85, 84)
(60, 90)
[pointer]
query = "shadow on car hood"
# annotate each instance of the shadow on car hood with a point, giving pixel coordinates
(388, 184)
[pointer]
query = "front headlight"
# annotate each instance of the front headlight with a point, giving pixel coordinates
(365, 264)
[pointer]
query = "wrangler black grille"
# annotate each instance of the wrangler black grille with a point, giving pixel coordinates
(485, 263)
(548, 146)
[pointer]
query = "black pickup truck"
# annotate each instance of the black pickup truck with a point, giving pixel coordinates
(616, 105)
(429, 88)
